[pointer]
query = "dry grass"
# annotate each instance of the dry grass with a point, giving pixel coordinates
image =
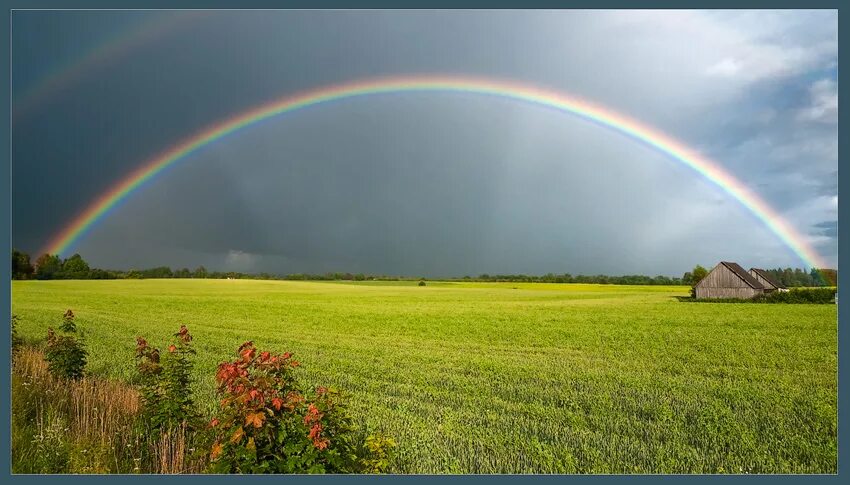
(87, 426)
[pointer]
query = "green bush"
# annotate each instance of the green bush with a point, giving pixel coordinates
(166, 383)
(68, 324)
(800, 295)
(16, 339)
(66, 354)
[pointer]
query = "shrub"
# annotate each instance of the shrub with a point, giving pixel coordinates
(380, 447)
(16, 339)
(66, 354)
(421, 282)
(268, 424)
(794, 295)
(799, 295)
(68, 324)
(166, 383)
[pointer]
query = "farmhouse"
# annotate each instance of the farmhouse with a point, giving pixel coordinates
(728, 280)
(770, 285)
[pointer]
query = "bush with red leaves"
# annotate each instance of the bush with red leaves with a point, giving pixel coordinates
(268, 424)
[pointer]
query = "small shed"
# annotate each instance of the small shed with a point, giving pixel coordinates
(728, 280)
(770, 285)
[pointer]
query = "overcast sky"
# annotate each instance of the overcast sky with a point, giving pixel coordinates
(426, 184)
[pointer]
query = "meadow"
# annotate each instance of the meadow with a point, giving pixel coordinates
(503, 377)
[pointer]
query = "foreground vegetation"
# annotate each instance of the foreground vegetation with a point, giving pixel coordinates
(818, 296)
(268, 423)
(507, 377)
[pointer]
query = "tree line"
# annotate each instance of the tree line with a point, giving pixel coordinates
(52, 267)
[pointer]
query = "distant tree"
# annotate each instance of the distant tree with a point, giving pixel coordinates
(200, 272)
(687, 278)
(100, 274)
(829, 276)
(75, 268)
(47, 266)
(698, 274)
(22, 268)
(183, 273)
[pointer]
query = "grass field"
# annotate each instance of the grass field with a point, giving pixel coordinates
(505, 377)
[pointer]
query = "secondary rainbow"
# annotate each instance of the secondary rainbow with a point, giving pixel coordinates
(100, 55)
(600, 115)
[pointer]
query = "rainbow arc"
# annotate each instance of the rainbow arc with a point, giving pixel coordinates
(62, 242)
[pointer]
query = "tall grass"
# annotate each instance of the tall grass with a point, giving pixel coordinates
(90, 425)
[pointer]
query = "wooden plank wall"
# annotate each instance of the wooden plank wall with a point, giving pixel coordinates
(712, 292)
(722, 277)
(767, 284)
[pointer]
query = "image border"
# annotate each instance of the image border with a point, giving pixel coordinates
(6, 177)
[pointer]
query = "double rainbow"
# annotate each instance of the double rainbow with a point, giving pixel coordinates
(602, 116)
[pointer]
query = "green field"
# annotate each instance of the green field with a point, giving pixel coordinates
(505, 377)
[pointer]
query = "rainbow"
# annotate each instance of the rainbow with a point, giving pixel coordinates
(602, 116)
(101, 54)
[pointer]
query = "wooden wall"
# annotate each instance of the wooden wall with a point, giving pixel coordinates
(722, 277)
(721, 282)
(740, 293)
(768, 286)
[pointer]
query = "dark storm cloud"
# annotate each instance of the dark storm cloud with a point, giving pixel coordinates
(830, 228)
(433, 184)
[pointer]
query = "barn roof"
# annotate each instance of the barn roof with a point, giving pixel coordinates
(767, 277)
(742, 273)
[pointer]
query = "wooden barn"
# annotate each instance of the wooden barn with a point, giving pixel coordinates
(770, 285)
(728, 280)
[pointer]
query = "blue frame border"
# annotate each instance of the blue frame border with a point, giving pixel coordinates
(5, 223)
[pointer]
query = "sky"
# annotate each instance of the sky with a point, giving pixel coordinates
(426, 184)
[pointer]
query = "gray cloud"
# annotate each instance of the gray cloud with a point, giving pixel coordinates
(442, 184)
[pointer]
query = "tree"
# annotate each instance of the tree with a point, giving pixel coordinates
(698, 274)
(22, 268)
(75, 267)
(828, 276)
(47, 266)
(200, 272)
(687, 278)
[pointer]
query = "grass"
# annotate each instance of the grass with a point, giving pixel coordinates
(86, 426)
(505, 377)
